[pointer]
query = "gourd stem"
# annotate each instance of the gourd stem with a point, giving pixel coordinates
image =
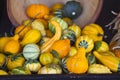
(99, 34)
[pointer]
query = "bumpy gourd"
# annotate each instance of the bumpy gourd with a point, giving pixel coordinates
(94, 31)
(78, 63)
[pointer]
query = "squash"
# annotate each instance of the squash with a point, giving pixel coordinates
(44, 40)
(37, 24)
(78, 63)
(3, 59)
(34, 9)
(101, 46)
(86, 42)
(109, 60)
(46, 58)
(63, 64)
(32, 36)
(73, 51)
(3, 41)
(50, 69)
(98, 69)
(94, 31)
(62, 47)
(76, 29)
(48, 44)
(91, 58)
(2, 72)
(14, 61)
(68, 20)
(56, 6)
(69, 34)
(72, 9)
(12, 46)
(20, 71)
(32, 65)
(61, 22)
(31, 51)
(23, 32)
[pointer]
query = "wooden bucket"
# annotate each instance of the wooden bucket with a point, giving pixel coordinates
(91, 10)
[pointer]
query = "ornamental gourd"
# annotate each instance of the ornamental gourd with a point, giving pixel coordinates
(46, 46)
(33, 65)
(14, 61)
(94, 31)
(86, 42)
(62, 47)
(35, 9)
(50, 69)
(78, 63)
(31, 51)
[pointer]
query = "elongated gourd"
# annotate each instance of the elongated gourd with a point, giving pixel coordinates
(108, 60)
(45, 47)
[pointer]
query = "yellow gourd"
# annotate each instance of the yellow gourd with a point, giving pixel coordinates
(94, 31)
(77, 63)
(32, 36)
(109, 60)
(12, 46)
(46, 46)
(3, 41)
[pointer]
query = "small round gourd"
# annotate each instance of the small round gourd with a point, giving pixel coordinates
(31, 51)
(33, 65)
(50, 69)
(72, 9)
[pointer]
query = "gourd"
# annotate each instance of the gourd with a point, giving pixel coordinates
(101, 46)
(32, 36)
(3, 59)
(62, 47)
(3, 41)
(98, 69)
(73, 51)
(78, 63)
(109, 60)
(46, 58)
(20, 71)
(37, 9)
(12, 46)
(44, 40)
(69, 34)
(37, 24)
(23, 32)
(14, 61)
(86, 42)
(56, 6)
(72, 9)
(2, 72)
(91, 58)
(32, 65)
(50, 69)
(76, 29)
(48, 44)
(61, 22)
(31, 51)
(94, 31)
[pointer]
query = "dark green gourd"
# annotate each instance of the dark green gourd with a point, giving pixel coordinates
(72, 9)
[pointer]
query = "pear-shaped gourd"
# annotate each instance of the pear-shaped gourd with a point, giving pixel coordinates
(78, 63)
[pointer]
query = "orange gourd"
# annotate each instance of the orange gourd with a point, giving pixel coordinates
(23, 32)
(35, 9)
(62, 47)
(77, 63)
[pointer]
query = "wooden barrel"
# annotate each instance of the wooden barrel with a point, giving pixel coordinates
(91, 9)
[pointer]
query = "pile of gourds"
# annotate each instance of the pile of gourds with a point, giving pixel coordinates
(55, 45)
